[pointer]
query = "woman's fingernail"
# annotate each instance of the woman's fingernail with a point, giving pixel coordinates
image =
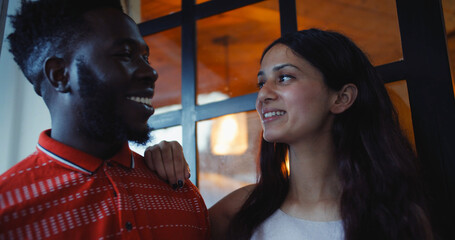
(180, 182)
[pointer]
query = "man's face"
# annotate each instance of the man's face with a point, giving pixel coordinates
(115, 84)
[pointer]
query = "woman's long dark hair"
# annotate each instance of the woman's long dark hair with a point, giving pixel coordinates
(382, 197)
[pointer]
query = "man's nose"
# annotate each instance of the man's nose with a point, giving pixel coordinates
(147, 74)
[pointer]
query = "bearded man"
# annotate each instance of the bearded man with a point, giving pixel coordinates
(89, 63)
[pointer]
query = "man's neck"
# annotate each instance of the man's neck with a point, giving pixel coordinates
(99, 149)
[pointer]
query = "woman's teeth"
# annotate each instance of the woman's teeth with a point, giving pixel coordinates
(146, 101)
(271, 114)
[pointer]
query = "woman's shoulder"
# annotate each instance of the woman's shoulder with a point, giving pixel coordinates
(224, 210)
(228, 206)
(235, 199)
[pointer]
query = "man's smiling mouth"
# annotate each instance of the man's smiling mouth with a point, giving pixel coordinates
(143, 100)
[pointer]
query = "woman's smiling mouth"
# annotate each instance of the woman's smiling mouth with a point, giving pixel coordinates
(275, 113)
(272, 115)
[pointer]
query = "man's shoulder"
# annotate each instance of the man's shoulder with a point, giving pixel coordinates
(23, 182)
(29, 165)
(188, 191)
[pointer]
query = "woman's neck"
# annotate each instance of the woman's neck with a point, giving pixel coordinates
(314, 190)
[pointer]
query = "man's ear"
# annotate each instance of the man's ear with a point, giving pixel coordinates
(345, 98)
(57, 74)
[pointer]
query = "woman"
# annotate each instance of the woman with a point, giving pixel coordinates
(352, 172)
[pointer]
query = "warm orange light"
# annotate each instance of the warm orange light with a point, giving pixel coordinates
(229, 135)
(287, 163)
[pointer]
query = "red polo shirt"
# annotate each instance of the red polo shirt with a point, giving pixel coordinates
(59, 192)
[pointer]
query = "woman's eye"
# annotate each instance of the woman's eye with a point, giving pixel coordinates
(260, 84)
(285, 77)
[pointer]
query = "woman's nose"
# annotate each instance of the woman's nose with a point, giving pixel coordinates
(267, 92)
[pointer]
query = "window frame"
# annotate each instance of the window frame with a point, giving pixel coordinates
(423, 37)
(3, 13)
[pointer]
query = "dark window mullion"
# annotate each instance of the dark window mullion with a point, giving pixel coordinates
(232, 105)
(212, 8)
(3, 12)
(165, 120)
(432, 103)
(201, 11)
(288, 16)
(391, 72)
(189, 85)
(160, 24)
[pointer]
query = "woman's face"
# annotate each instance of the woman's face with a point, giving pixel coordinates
(293, 100)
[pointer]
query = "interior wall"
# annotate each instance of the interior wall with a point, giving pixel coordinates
(23, 114)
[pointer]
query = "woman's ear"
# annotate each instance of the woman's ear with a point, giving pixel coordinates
(345, 98)
(57, 74)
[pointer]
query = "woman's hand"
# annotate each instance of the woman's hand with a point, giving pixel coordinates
(167, 160)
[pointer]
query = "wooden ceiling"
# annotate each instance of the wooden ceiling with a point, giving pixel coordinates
(230, 44)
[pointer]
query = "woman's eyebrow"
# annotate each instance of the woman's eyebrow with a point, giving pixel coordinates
(281, 66)
(278, 67)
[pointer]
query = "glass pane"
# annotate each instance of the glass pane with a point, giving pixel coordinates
(229, 48)
(448, 7)
(156, 136)
(202, 1)
(151, 9)
(372, 25)
(166, 58)
(227, 150)
(398, 92)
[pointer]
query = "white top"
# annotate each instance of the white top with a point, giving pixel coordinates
(281, 226)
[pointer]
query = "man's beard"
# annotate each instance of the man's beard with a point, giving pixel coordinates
(100, 117)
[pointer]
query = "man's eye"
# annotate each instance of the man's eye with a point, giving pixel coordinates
(124, 55)
(146, 59)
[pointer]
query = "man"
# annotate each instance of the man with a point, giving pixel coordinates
(89, 63)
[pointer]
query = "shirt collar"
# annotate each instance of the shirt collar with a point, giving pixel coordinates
(78, 160)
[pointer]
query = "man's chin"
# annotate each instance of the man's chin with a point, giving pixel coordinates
(140, 137)
(139, 141)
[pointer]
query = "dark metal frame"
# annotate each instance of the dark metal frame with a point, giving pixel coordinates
(425, 66)
(3, 13)
(191, 113)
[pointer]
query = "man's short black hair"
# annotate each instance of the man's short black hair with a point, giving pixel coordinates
(49, 27)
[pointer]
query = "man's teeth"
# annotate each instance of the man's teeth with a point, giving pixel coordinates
(271, 114)
(147, 101)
